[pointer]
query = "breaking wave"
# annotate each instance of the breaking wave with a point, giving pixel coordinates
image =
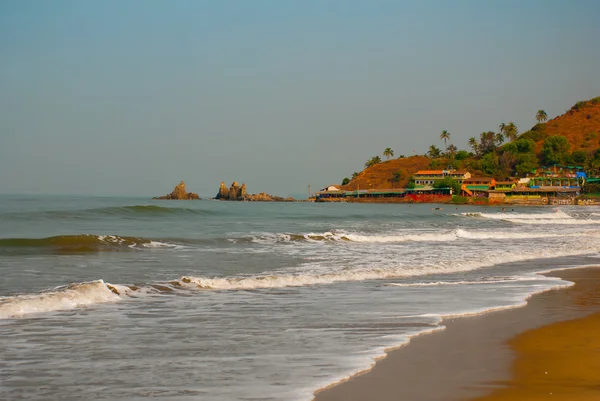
(439, 236)
(97, 292)
(368, 273)
(61, 298)
(558, 217)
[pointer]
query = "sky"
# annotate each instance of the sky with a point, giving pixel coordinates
(129, 97)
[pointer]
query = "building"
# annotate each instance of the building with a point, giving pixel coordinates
(427, 178)
(477, 186)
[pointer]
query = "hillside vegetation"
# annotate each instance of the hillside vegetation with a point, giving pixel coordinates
(569, 139)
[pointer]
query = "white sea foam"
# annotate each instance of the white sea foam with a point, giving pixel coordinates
(158, 244)
(558, 217)
(558, 214)
(571, 222)
(439, 236)
(61, 298)
(372, 273)
(492, 280)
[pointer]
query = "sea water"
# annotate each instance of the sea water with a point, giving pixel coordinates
(129, 298)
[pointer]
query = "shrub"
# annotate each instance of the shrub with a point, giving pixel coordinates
(397, 176)
(533, 135)
(591, 189)
(462, 155)
(579, 156)
(345, 181)
(539, 127)
(435, 163)
(460, 200)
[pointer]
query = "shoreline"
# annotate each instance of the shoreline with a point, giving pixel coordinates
(470, 356)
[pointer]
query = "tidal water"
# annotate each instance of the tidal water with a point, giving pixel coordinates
(130, 299)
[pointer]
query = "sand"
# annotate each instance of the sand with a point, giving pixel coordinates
(498, 355)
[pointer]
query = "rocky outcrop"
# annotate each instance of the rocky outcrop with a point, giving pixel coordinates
(239, 193)
(179, 193)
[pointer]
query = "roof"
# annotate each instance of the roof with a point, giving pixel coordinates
(542, 190)
(505, 182)
(478, 179)
(478, 187)
(441, 172)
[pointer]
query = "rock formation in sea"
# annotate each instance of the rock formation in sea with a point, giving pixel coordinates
(179, 193)
(239, 193)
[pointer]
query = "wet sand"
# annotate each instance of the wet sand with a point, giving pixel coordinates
(496, 355)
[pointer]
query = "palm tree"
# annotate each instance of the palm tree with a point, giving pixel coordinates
(445, 135)
(511, 131)
(388, 152)
(433, 152)
(474, 144)
(499, 138)
(541, 116)
(502, 128)
(452, 149)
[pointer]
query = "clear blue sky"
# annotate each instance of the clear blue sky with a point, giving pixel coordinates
(130, 97)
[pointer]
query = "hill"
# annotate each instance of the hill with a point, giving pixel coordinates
(393, 173)
(580, 125)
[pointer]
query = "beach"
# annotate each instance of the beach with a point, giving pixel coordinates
(547, 348)
(131, 298)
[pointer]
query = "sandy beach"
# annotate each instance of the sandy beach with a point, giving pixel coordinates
(548, 346)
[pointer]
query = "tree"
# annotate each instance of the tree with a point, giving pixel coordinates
(345, 181)
(474, 144)
(448, 182)
(487, 142)
(388, 152)
(502, 128)
(354, 175)
(451, 149)
(434, 152)
(525, 163)
(555, 149)
(499, 138)
(372, 161)
(462, 155)
(579, 156)
(510, 131)
(522, 145)
(489, 163)
(445, 135)
(541, 116)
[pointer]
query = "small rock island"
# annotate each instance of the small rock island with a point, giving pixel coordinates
(179, 193)
(238, 193)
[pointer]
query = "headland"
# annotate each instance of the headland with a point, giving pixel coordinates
(556, 162)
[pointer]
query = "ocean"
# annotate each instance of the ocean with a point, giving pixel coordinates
(130, 299)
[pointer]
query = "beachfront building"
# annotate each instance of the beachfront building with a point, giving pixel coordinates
(427, 178)
(387, 195)
(477, 186)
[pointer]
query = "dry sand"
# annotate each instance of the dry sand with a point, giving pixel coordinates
(474, 356)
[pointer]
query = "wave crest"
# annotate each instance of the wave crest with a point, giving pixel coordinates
(62, 298)
(80, 243)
